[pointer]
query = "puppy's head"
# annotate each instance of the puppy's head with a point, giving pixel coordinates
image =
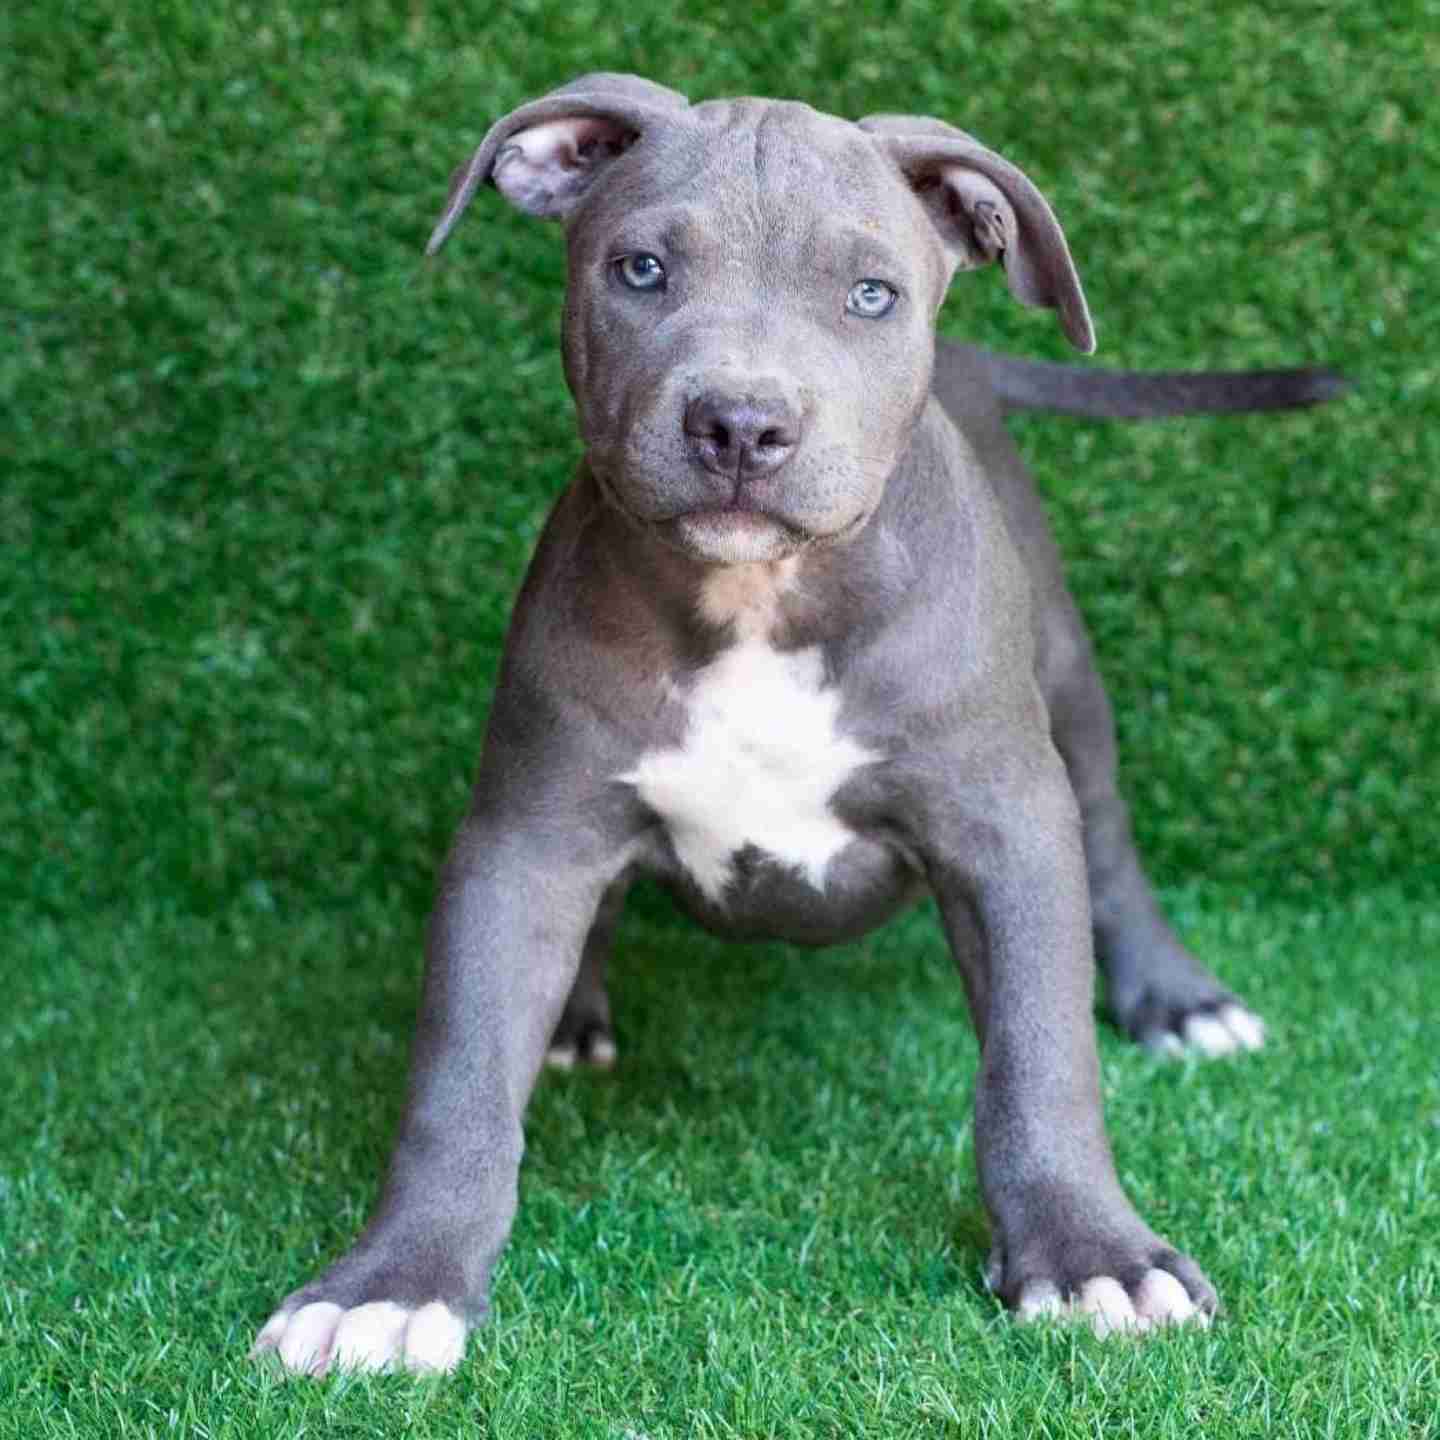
(753, 288)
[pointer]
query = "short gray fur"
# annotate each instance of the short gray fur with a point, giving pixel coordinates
(872, 471)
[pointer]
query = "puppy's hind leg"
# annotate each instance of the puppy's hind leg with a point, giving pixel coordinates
(1157, 991)
(585, 1035)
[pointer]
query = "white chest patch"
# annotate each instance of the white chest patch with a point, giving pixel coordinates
(761, 758)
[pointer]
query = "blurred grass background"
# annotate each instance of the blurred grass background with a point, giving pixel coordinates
(267, 485)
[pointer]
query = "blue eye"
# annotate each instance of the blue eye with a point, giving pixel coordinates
(641, 271)
(871, 298)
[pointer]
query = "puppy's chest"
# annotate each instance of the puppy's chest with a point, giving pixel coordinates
(761, 757)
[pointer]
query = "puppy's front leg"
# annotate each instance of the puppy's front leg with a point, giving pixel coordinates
(1007, 866)
(516, 902)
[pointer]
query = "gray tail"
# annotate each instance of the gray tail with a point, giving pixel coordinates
(1132, 395)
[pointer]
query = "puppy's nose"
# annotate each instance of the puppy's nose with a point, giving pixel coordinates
(745, 437)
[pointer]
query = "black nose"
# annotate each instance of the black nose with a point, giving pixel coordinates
(743, 436)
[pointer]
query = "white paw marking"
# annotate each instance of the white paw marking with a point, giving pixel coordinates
(369, 1336)
(1230, 1029)
(270, 1333)
(1160, 1299)
(1040, 1302)
(601, 1055)
(380, 1335)
(434, 1340)
(1247, 1027)
(762, 754)
(1104, 1301)
(304, 1342)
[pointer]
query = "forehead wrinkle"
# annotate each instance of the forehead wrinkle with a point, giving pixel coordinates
(682, 232)
(862, 247)
(792, 158)
(753, 151)
(720, 176)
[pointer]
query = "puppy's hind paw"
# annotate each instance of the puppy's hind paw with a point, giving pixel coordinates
(1212, 1028)
(587, 1049)
(1230, 1028)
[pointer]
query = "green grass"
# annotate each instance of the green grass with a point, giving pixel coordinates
(267, 484)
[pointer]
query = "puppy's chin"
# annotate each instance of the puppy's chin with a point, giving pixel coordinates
(732, 537)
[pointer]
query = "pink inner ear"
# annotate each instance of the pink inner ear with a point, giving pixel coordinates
(542, 169)
(992, 221)
(561, 142)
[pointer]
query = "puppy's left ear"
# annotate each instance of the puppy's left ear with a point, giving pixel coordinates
(986, 209)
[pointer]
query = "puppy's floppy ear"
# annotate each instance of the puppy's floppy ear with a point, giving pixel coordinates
(986, 209)
(544, 156)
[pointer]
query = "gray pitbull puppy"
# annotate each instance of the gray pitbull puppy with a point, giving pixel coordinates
(796, 642)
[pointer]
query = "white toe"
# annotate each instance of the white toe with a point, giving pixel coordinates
(560, 1057)
(1104, 1300)
(1208, 1035)
(305, 1345)
(270, 1333)
(434, 1339)
(1247, 1027)
(603, 1053)
(369, 1336)
(1161, 1299)
(1039, 1302)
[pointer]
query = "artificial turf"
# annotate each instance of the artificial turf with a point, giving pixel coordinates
(269, 483)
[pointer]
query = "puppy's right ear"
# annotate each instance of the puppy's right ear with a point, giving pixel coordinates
(544, 156)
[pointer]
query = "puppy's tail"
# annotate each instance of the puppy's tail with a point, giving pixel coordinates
(1132, 395)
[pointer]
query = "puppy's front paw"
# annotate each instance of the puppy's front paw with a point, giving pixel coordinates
(380, 1306)
(1112, 1286)
(318, 1336)
(1108, 1306)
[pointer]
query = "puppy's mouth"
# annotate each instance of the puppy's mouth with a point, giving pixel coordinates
(733, 534)
(733, 531)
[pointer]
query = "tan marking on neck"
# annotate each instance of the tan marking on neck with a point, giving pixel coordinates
(748, 596)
